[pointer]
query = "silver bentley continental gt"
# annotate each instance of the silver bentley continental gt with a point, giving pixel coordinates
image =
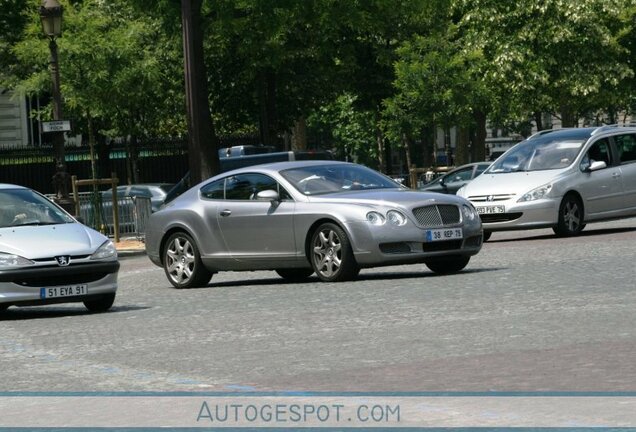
(304, 217)
(46, 256)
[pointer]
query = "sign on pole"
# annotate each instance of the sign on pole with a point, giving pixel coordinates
(56, 126)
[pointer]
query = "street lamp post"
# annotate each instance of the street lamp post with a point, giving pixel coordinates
(51, 18)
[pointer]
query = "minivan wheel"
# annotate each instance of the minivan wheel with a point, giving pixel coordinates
(331, 254)
(182, 262)
(570, 217)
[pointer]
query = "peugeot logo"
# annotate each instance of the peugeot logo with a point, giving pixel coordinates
(63, 260)
(490, 198)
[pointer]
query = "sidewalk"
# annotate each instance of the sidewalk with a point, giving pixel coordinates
(130, 246)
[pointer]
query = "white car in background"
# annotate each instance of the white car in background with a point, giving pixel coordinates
(561, 179)
(47, 257)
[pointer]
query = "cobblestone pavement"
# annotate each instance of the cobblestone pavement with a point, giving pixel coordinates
(530, 312)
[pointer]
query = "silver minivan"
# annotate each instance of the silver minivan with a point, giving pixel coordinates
(561, 179)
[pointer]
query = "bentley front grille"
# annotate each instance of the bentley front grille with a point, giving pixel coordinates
(437, 215)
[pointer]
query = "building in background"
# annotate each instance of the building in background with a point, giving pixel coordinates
(14, 125)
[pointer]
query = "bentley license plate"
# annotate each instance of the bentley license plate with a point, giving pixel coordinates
(444, 234)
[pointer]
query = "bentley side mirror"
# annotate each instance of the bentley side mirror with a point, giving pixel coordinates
(268, 195)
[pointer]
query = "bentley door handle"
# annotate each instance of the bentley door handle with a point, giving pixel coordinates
(225, 213)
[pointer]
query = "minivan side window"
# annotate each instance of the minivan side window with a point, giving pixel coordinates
(600, 151)
(626, 145)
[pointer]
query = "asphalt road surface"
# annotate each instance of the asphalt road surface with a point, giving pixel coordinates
(530, 313)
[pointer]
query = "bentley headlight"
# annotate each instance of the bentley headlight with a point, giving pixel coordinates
(375, 218)
(537, 193)
(11, 260)
(105, 251)
(470, 214)
(396, 218)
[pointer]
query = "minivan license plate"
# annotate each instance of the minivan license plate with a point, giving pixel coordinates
(63, 291)
(491, 209)
(444, 234)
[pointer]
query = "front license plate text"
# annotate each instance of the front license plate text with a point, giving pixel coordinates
(63, 291)
(444, 234)
(491, 209)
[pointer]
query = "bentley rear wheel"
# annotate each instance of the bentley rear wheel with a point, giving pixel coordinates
(182, 262)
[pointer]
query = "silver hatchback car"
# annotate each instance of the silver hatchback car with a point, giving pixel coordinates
(47, 257)
(560, 179)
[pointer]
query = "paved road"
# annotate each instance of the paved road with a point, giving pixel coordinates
(530, 313)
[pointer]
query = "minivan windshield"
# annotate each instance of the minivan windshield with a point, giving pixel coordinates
(538, 155)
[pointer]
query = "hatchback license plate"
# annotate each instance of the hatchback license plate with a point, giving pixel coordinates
(63, 291)
(491, 209)
(444, 234)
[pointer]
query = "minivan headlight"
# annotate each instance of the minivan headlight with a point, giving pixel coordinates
(105, 251)
(536, 194)
(11, 260)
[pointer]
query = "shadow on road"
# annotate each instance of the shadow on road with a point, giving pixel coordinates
(15, 313)
(366, 276)
(583, 234)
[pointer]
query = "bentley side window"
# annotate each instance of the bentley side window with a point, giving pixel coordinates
(247, 186)
(213, 190)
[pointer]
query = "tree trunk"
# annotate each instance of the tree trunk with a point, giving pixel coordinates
(267, 107)
(379, 140)
(538, 119)
(479, 146)
(299, 136)
(461, 149)
(406, 143)
(203, 143)
(447, 146)
(91, 145)
(568, 117)
(427, 148)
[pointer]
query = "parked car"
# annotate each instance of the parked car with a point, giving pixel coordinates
(155, 191)
(135, 202)
(452, 181)
(561, 179)
(46, 256)
(297, 218)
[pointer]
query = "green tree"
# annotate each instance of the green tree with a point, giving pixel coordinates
(117, 72)
(556, 56)
(346, 129)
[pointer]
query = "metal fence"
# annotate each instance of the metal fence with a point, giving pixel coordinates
(96, 211)
(157, 161)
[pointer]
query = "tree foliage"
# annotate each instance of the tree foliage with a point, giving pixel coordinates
(367, 74)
